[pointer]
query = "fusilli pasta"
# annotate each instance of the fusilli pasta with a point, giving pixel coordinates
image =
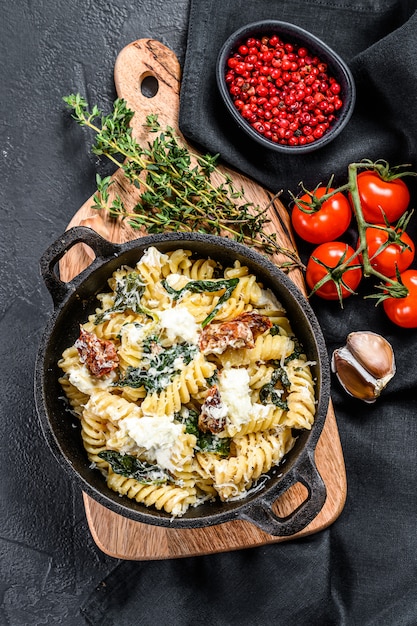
(188, 381)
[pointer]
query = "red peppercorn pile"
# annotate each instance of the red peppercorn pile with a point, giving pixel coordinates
(284, 92)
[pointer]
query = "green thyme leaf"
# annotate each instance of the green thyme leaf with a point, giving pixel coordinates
(174, 185)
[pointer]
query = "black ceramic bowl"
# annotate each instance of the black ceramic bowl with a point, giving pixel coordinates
(75, 300)
(289, 33)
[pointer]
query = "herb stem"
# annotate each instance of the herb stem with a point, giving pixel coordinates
(175, 187)
(368, 270)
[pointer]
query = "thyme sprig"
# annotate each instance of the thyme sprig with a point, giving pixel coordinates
(176, 191)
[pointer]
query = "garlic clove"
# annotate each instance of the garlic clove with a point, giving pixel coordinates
(355, 380)
(373, 352)
(365, 365)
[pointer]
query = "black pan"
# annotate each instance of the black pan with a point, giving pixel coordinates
(75, 300)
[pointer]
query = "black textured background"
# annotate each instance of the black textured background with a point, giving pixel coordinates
(362, 570)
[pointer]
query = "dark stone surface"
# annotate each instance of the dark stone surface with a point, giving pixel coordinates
(49, 562)
(359, 572)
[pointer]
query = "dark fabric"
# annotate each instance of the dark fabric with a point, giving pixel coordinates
(377, 39)
(362, 570)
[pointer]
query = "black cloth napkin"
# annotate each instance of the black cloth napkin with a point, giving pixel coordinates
(378, 40)
(361, 571)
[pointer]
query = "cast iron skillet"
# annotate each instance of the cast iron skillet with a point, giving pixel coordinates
(75, 300)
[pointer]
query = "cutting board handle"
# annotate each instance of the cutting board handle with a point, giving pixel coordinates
(147, 75)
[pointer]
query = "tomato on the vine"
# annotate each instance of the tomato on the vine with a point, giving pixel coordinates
(319, 223)
(379, 197)
(396, 249)
(338, 262)
(403, 311)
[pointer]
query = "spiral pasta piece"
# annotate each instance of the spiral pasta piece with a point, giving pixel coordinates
(111, 327)
(75, 397)
(94, 433)
(191, 380)
(112, 408)
(202, 269)
(237, 271)
(259, 374)
(256, 453)
(167, 497)
(179, 262)
(301, 398)
(248, 290)
(173, 415)
(131, 344)
(200, 305)
(261, 422)
(232, 308)
(267, 348)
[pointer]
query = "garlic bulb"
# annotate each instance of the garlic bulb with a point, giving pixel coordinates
(365, 365)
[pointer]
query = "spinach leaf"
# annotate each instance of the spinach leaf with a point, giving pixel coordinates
(190, 421)
(297, 352)
(206, 442)
(131, 467)
(201, 286)
(128, 292)
(268, 393)
(159, 366)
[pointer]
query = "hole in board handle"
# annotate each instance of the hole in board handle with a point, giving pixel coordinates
(149, 86)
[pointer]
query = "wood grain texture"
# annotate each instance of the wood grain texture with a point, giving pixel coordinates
(121, 537)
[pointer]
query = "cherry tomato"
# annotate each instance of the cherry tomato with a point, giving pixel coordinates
(382, 197)
(328, 222)
(327, 259)
(397, 254)
(403, 311)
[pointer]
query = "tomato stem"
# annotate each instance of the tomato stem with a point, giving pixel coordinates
(383, 168)
(392, 286)
(336, 273)
(315, 203)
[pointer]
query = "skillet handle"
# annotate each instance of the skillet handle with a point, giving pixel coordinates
(260, 512)
(59, 289)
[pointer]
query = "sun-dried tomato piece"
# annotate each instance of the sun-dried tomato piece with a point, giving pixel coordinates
(99, 355)
(213, 412)
(239, 332)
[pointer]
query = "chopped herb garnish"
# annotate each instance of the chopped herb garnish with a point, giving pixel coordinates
(201, 286)
(296, 353)
(206, 442)
(131, 467)
(128, 292)
(269, 393)
(159, 366)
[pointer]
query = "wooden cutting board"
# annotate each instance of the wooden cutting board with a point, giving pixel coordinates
(140, 67)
